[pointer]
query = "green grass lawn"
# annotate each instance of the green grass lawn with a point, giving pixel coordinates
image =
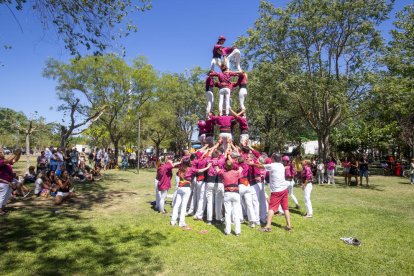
(111, 229)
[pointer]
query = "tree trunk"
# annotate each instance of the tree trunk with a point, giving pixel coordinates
(116, 148)
(28, 150)
(326, 147)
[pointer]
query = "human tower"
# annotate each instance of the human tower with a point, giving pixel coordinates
(227, 173)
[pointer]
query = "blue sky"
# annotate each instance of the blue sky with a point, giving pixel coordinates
(174, 35)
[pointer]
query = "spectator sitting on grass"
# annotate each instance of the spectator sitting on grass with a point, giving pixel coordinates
(18, 188)
(64, 184)
(39, 183)
(30, 175)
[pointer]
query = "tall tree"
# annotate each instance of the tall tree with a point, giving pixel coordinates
(330, 45)
(106, 83)
(92, 24)
(183, 93)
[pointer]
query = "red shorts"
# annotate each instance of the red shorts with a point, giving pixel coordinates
(279, 198)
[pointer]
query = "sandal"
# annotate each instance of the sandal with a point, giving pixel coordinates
(287, 228)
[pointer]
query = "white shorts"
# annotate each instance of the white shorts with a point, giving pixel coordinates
(62, 194)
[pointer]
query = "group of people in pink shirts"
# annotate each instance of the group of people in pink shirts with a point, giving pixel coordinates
(233, 178)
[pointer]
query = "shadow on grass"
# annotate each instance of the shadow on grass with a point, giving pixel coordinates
(343, 186)
(59, 244)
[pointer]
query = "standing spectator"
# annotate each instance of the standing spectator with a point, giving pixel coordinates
(330, 169)
(363, 169)
(346, 165)
(6, 177)
(412, 171)
(105, 159)
(74, 160)
(353, 171)
(320, 172)
(91, 158)
(42, 162)
(60, 158)
(98, 158)
(48, 153)
(82, 159)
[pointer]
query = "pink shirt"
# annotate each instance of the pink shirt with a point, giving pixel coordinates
(164, 175)
(346, 164)
(229, 177)
(224, 122)
(290, 171)
(224, 78)
(242, 80)
(217, 52)
(209, 83)
(189, 173)
(243, 125)
(307, 174)
(331, 166)
(209, 128)
(6, 171)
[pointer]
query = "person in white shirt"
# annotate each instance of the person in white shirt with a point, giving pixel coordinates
(279, 191)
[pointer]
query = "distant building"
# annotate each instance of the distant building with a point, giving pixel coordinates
(80, 147)
(310, 147)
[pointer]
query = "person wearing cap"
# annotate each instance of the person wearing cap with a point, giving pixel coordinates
(279, 191)
(228, 53)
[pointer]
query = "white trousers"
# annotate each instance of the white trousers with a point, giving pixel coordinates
(210, 101)
(246, 198)
(157, 196)
(193, 198)
(259, 202)
(242, 97)
(200, 192)
(180, 205)
(224, 98)
(5, 193)
(215, 62)
(232, 210)
(308, 203)
(331, 176)
(211, 188)
(177, 180)
(235, 57)
(320, 176)
(219, 201)
(162, 196)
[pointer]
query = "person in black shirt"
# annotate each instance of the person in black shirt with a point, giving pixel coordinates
(363, 169)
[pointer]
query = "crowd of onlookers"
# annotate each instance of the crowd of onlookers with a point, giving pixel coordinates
(54, 175)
